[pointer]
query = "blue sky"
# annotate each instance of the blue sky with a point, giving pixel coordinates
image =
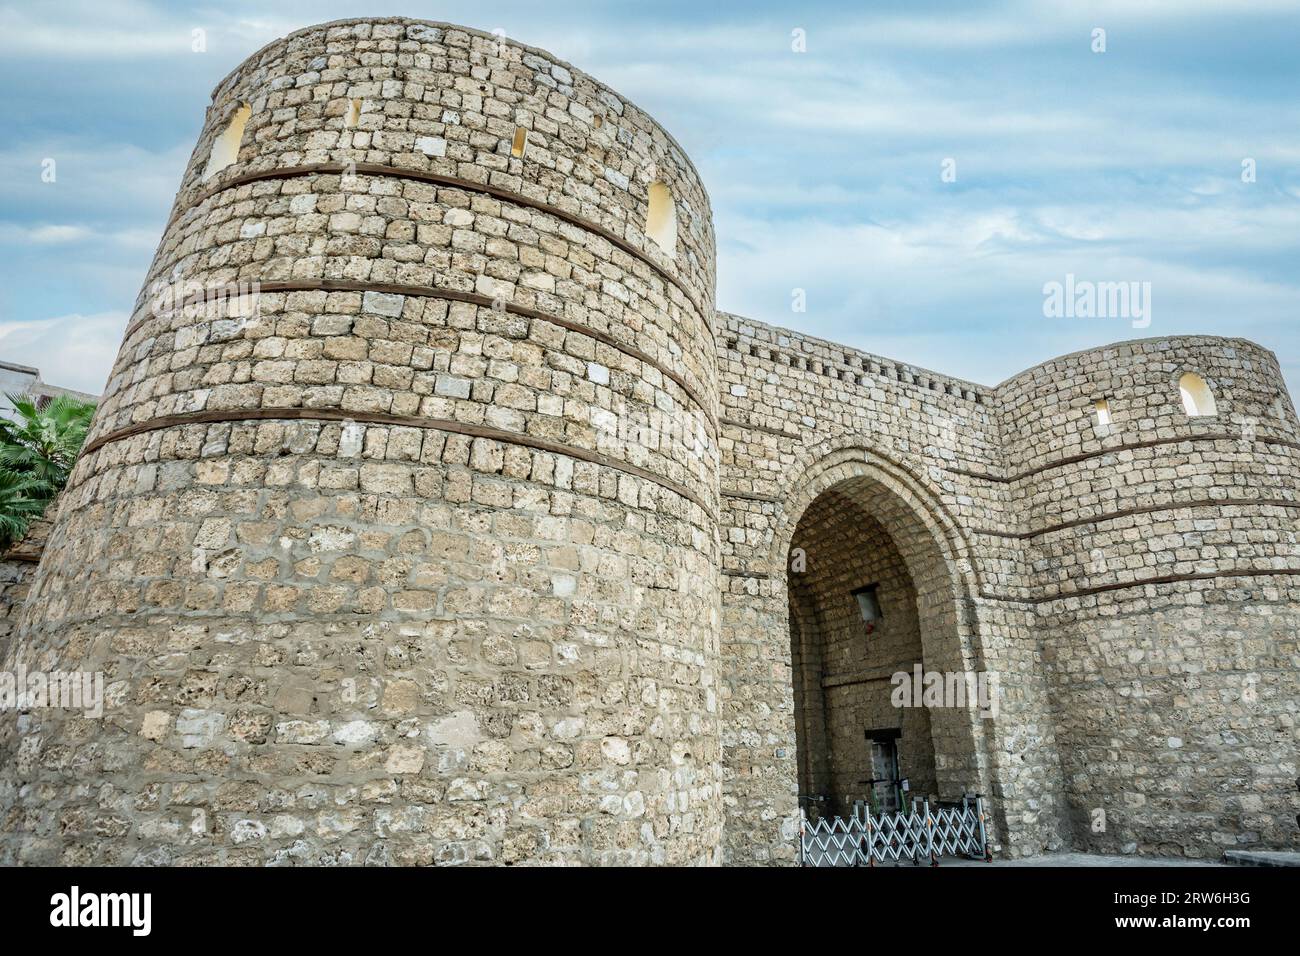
(824, 167)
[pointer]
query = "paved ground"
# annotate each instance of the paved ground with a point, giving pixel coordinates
(1264, 857)
(1083, 859)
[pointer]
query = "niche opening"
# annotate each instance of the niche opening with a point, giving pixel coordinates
(225, 148)
(520, 143)
(354, 114)
(661, 219)
(1197, 398)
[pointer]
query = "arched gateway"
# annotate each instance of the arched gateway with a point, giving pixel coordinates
(877, 590)
(858, 536)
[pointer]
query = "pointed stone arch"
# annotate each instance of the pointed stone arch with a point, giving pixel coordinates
(863, 484)
(827, 465)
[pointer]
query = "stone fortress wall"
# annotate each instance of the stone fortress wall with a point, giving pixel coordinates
(470, 543)
(1133, 584)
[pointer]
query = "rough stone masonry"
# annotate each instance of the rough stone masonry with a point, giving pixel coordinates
(466, 537)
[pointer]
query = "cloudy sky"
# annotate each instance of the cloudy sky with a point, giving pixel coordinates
(826, 167)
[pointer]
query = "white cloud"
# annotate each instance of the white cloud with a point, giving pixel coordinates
(74, 351)
(114, 29)
(43, 235)
(91, 177)
(54, 234)
(823, 167)
(961, 291)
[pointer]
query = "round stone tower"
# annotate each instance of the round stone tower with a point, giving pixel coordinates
(395, 537)
(1155, 480)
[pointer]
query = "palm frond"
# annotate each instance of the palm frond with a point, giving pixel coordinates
(41, 443)
(22, 500)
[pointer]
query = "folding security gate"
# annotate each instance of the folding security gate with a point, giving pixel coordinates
(918, 834)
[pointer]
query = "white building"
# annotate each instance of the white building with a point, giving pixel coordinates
(23, 379)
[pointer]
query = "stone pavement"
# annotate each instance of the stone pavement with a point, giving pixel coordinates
(1085, 859)
(1263, 857)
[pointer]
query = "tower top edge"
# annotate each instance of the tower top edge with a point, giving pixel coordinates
(473, 32)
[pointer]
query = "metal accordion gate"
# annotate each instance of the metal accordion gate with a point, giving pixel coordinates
(918, 834)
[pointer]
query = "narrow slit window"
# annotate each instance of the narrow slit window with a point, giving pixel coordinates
(225, 148)
(354, 114)
(1102, 408)
(520, 143)
(661, 219)
(1197, 398)
(868, 606)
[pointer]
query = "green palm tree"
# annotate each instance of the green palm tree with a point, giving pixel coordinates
(37, 451)
(18, 507)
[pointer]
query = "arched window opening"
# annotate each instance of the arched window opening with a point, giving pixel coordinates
(1198, 400)
(661, 219)
(225, 148)
(354, 114)
(1102, 409)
